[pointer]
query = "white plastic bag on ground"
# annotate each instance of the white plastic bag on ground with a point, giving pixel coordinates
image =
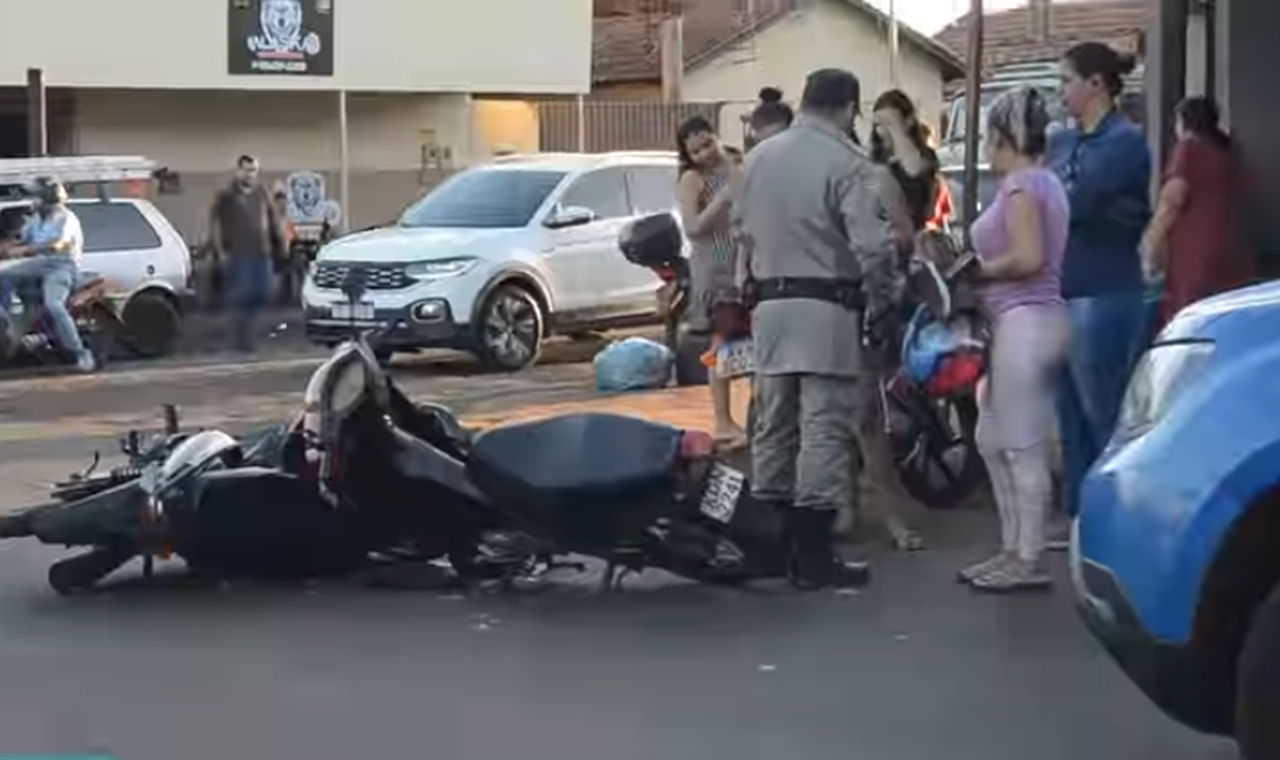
(633, 364)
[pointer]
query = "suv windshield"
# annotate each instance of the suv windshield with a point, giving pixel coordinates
(484, 198)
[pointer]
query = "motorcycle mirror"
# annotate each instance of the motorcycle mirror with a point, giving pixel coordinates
(354, 285)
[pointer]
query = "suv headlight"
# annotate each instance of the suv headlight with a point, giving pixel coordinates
(1163, 373)
(426, 270)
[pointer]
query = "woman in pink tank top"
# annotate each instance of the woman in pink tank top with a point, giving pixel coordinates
(1020, 239)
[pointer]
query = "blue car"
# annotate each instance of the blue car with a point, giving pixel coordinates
(1176, 553)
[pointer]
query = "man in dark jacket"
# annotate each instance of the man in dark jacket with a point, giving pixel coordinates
(246, 236)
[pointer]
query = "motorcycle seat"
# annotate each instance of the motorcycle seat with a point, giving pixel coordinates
(575, 458)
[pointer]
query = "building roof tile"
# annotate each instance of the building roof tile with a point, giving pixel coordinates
(625, 45)
(1008, 37)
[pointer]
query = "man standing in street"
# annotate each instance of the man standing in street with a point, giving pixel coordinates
(810, 212)
(246, 235)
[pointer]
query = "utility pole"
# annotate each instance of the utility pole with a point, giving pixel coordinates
(973, 116)
(37, 114)
(894, 63)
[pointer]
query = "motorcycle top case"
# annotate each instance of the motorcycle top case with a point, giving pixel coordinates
(652, 241)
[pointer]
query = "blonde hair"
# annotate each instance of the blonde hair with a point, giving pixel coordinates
(1020, 118)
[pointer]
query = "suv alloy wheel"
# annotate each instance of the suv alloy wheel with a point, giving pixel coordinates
(509, 329)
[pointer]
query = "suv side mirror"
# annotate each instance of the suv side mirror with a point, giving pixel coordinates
(569, 216)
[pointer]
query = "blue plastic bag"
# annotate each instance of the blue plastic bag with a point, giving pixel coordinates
(633, 364)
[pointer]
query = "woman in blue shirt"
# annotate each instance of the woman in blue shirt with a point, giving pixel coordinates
(1105, 163)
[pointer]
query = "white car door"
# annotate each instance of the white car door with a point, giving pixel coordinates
(584, 259)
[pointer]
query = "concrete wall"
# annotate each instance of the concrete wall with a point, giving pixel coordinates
(528, 46)
(826, 33)
(200, 134)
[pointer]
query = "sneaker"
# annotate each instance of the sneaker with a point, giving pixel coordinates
(1014, 576)
(86, 363)
(979, 569)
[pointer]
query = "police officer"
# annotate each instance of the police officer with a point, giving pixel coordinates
(810, 214)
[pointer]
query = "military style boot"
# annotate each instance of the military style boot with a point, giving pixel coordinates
(814, 564)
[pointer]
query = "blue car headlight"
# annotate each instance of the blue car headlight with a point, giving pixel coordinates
(430, 270)
(1165, 371)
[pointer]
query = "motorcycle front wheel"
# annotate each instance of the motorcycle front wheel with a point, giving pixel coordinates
(935, 450)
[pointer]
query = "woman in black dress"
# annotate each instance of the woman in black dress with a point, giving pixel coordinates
(900, 143)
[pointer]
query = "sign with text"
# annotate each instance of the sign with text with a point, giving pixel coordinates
(280, 37)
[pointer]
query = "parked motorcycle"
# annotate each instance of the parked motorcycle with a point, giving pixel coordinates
(930, 405)
(656, 243)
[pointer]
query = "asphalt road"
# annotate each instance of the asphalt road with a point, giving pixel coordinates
(914, 668)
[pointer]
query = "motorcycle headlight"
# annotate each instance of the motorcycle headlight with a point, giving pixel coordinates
(348, 388)
(428, 270)
(1163, 373)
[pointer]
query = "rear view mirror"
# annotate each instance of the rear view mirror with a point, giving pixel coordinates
(570, 216)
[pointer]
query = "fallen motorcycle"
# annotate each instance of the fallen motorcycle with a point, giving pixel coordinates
(633, 493)
(365, 478)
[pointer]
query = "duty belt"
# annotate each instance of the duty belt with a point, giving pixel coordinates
(846, 293)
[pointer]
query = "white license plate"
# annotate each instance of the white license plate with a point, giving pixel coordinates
(360, 311)
(724, 486)
(736, 358)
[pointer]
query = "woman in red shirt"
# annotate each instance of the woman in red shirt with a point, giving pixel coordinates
(1193, 238)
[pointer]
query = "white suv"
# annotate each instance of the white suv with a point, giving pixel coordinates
(498, 257)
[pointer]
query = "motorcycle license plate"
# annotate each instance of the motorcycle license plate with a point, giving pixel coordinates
(358, 311)
(724, 487)
(736, 359)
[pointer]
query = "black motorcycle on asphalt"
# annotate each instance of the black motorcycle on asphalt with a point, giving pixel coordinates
(365, 478)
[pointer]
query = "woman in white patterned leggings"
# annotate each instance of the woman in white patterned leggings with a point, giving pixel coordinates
(1021, 239)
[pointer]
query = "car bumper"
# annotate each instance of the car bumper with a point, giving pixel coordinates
(398, 328)
(1175, 677)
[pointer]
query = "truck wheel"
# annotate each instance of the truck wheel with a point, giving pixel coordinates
(1258, 685)
(508, 329)
(151, 324)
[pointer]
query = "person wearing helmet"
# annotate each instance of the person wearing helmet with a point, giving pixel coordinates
(50, 246)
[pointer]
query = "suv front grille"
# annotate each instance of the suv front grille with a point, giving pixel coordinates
(331, 274)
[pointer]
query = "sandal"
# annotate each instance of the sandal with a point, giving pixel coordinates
(979, 569)
(1013, 577)
(734, 442)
